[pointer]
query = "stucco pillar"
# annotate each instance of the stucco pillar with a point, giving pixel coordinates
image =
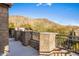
(47, 43)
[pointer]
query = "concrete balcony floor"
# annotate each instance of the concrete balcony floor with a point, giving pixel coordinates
(17, 49)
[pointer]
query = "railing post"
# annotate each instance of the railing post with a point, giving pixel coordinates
(47, 43)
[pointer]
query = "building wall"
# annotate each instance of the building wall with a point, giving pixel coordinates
(3, 27)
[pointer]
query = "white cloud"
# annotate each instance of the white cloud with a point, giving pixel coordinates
(49, 4)
(38, 4)
(44, 4)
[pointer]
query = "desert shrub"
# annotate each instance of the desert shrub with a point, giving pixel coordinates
(11, 25)
(26, 26)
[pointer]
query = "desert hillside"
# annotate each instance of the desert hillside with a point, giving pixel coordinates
(39, 24)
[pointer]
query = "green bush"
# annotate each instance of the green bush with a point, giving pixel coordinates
(11, 25)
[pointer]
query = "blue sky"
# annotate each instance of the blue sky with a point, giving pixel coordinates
(66, 13)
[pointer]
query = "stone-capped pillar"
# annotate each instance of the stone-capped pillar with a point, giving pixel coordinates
(47, 43)
(34, 42)
(4, 36)
(17, 35)
(26, 37)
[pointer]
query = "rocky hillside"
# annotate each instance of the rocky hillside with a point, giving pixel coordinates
(25, 20)
(40, 24)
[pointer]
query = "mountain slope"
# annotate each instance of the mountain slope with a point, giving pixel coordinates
(25, 20)
(40, 24)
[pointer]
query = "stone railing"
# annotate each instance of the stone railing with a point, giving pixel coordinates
(25, 37)
(17, 35)
(28, 38)
(42, 41)
(34, 42)
(11, 33)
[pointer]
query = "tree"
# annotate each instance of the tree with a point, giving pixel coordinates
(26, 26)
(11, 25)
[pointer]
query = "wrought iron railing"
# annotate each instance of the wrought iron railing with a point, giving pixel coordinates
(70, 43)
